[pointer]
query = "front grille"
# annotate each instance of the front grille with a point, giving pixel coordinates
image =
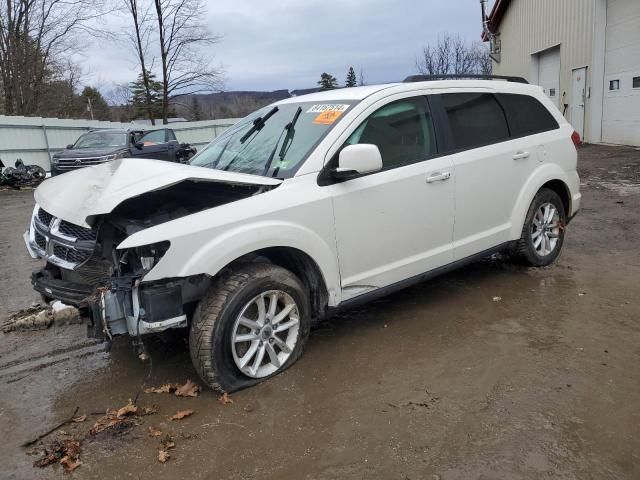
(62, 243)
(44, 217)
(69, 254)
(41, 241)
(71, 163)
(76, 231)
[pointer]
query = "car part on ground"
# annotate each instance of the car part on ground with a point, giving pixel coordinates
(21, 175)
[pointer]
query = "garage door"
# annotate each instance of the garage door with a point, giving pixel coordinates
(549, 73)
(621, 105)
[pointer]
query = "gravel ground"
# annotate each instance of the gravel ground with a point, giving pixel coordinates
(436, 382)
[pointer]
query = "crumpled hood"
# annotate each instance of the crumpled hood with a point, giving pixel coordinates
(83, 193)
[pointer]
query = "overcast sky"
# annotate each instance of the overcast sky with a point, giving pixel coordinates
(287, 44)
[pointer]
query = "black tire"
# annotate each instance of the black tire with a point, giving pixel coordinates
(524, 250)
(214, 318)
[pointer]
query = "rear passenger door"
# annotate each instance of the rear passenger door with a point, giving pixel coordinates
(490, 168)
(154, 145)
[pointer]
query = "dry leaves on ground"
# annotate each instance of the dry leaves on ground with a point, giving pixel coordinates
(154, 432)
(166, 444)
(180, 414)
(79, 418)
(189, 389)
(120, 418)
(67, 452)
(128, 409)
(225, 399)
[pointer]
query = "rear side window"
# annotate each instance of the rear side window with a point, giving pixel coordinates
(526, 115)
(476, 119)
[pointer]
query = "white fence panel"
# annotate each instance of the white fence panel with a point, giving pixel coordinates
(36, 139)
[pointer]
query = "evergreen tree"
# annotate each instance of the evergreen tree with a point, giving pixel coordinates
(146, 106)
(327, 81)
(93, 104)
(351, 81)
(196, 111)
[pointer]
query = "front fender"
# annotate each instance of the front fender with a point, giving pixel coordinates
(545, 173)
(186, 258)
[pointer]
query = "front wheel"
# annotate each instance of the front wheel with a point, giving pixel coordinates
(250, 326)
(543, 230)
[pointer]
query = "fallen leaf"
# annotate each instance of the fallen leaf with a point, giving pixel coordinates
(225, 398)
(163, 456)
(154, 432)
(69, 463)
(167, 388)
(189, 389)
(59, 450)
(149, 411)
(78, 419)
(167, 442)
(126, 410)
(180, 414)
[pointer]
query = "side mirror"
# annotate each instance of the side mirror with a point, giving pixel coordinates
(139, 145)
(70, 146)
(357, 160)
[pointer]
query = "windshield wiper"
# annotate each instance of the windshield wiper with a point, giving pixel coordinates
(290, 129)
(258, 123)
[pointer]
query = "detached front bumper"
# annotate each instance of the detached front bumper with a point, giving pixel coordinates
(70, 293)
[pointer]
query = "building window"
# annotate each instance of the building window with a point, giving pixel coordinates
(614, 85)
(636, 82)
(552, 92)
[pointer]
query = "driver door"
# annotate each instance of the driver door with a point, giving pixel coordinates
(154, 146)
(397, 223)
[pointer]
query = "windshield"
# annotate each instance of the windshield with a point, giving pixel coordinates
(273, 141)
(102, 140)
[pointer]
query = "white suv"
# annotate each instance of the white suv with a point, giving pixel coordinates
(308, 205)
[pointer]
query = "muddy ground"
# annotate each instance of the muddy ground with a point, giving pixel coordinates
(438, 381)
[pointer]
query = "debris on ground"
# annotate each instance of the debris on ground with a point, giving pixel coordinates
(79, 419)
(189, 389)
(65, 452)
(154, 432)
(497, 299)
(180, 414)
(166, 444)
(225, 399)
(41, 317)
(120, 420)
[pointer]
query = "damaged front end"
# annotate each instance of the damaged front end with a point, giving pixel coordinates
(86, 269)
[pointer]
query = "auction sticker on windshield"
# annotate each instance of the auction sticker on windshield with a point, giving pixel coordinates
(328, 113)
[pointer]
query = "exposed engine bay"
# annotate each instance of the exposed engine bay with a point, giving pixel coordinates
(84, 267)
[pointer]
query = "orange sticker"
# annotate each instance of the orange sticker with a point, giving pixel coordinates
(327, 117)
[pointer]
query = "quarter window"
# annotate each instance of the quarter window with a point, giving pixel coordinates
(636, 82)
(402, 130)
(526, 115)
(476, 119)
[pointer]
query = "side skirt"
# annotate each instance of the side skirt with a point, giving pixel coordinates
(401, 285)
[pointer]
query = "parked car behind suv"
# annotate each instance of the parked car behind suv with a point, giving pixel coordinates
(309, 205)
(99, 146)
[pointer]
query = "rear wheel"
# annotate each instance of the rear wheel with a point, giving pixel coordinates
(252, 324)
(543, 230)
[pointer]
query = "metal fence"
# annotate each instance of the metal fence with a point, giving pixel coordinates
(36, 139)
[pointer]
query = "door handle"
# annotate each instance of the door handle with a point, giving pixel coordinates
(521, 155)
(438, 177)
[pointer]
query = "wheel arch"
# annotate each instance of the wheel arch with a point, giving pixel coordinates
(547, 176)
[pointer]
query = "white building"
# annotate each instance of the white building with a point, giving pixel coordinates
(586, 55)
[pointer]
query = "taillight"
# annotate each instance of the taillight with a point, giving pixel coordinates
(575, 138)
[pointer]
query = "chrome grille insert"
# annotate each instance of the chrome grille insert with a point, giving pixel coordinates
(62, 243)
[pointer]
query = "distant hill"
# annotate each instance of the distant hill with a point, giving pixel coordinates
(225, 104)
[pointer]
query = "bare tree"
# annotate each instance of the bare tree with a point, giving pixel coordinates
(362, 79)
(139, 38)
(181, 35)
(34, 34)
(451, 55)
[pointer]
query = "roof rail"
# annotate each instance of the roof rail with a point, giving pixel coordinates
(469, 76)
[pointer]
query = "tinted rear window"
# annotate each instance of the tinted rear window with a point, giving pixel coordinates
(476, 119)
(526, 115)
